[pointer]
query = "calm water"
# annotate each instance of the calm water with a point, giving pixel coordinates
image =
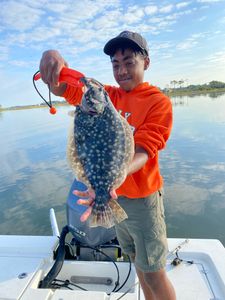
(34, 175)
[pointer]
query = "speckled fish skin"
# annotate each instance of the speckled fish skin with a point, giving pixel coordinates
(100, 150)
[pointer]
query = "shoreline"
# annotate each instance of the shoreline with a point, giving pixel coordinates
(169, 93)
(34, 106)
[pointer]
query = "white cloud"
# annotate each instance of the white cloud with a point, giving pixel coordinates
(19, 63)
(58, 7)
(151, 9)
(18, 16)
(209, 1)
(134, 15)
(172, 17)
(202, 18)
(108, 20)
(38, 25)
(65, 27)
(84, 35)
(190, 42)
(182, 4)
(217, 57)
(177, 15)
(84, 10)
(43, 33)
(4, 50)
(166, 9)
(163, 45)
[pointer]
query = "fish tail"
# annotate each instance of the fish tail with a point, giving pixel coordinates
(118, 212)
(107, 215)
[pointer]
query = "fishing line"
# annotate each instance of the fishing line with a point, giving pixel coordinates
(49, 95)
(49, 102)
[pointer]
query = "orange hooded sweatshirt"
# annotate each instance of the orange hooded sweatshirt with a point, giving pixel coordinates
(149, 113)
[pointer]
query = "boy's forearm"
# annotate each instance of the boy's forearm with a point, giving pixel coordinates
(139, 160)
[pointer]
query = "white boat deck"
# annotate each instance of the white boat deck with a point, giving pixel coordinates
(24, 260)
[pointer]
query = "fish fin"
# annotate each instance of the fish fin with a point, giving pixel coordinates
(101, 217)
(118, 212)
(73, 159)
(108, 215)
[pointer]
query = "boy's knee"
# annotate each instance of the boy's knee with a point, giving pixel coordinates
(155, 278)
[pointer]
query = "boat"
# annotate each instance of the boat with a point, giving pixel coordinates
(88, 264)
(196, 267)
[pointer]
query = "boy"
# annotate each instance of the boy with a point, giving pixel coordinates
(149, 112)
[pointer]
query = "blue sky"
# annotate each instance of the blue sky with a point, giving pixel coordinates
(186, 40)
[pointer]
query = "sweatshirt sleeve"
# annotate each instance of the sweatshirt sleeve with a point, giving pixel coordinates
(73, 94)
(155, 130)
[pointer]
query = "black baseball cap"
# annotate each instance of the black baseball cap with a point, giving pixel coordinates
(126, 38)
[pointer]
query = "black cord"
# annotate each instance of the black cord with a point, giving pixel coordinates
(49, 96)
(66, 283)
(56, 268)
(129, 271)
(48, 103)
(50, 278)
(71, 249)
(128, 275)
(115, 289)
(55, 285)
(118, 273)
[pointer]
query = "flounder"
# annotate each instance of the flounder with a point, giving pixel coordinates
(100, 149)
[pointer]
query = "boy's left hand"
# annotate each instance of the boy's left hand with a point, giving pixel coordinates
(89, 201)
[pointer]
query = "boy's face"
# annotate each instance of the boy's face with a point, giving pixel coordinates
(128, 68)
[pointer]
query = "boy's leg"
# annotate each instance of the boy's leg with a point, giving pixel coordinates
(145, 287)
(143, 236)
(156, 285)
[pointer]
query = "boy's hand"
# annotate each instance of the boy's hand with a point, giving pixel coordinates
(51, 65)
(89, 201)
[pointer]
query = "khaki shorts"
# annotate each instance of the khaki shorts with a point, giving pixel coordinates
(143, 234)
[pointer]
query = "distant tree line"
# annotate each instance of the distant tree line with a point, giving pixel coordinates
(183, 85)
(175, 85)
(55, 102)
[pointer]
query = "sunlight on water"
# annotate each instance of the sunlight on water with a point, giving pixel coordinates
(34, 175)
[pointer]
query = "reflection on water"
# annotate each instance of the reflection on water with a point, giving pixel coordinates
(193, 166)
(34, 175)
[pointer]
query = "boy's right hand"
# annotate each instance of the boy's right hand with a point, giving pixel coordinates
(51, 65)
